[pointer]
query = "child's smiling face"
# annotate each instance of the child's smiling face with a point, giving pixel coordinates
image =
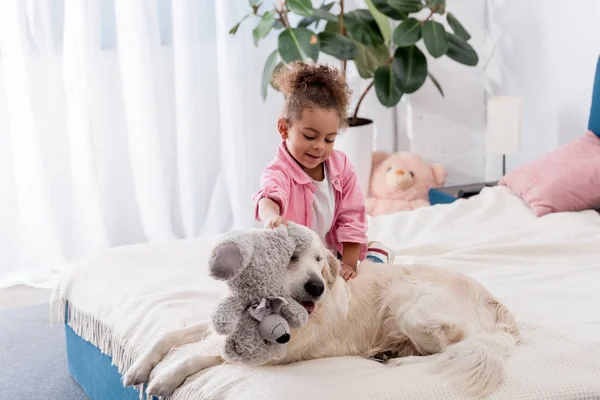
(310, 139)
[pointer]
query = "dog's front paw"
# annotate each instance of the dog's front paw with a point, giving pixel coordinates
(138, 373)
(163, 385)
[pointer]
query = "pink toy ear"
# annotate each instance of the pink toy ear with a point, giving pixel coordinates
(439, 173)
(378, 157)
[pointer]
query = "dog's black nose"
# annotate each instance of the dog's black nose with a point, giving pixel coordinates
(314, 287)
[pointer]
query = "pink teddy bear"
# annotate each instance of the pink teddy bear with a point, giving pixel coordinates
(401, 181)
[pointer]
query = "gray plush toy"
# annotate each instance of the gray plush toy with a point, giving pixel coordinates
(257, 314)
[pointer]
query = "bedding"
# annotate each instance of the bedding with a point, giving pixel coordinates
(546, 270)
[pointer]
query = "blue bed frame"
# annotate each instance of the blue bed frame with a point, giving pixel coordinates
(93, 370)
(594, 122)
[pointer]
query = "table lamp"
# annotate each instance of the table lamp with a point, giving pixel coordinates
(503, 126)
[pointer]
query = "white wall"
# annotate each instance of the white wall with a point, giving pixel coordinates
(451, 129)
(546, 52)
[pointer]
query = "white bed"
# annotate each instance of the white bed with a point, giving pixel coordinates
(546, 270)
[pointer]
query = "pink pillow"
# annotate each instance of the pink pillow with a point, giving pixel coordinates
(567, 179)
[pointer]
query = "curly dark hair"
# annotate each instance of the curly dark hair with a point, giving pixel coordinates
(305, 86)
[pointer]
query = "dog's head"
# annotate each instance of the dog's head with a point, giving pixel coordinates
(311, 273)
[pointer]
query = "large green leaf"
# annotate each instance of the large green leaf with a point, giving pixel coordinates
(362, 27)
(332, 27)
(264, 27)
(436, 83)
(267, 73)
(382, 22)
(300, 7)
(438, 5)
(434, 36)
(235, 28)
(406, 6)
(457, 27)
(410, 68)
(318, 13)
(460, 51)
(321, 13)
(385, 8)
(385, 86)
(407, 33)
(338, 46)
(297, 44)
(370, 58)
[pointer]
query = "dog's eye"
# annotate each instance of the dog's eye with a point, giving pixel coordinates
(294, 257)
(319, 258)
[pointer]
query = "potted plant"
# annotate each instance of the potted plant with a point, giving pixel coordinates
(393, 61)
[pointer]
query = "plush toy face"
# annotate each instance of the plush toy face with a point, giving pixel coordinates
(254, 262)
(404, 176)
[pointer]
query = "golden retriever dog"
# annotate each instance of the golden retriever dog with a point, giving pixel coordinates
(392, 313)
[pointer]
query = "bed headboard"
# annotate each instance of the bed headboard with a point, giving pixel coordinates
(594, 123)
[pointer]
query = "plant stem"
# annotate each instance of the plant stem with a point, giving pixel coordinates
(343, 33)
(429, 16)
(362, 97)
(283, 14)
(389, 61)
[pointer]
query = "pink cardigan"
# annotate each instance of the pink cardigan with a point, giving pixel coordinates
(284, 182)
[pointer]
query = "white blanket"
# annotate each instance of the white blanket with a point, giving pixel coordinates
(546, 270)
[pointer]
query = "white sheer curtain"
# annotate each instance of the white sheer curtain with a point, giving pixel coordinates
(125, 121)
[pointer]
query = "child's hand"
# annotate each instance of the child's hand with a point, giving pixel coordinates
(347, 271)
(274, 222)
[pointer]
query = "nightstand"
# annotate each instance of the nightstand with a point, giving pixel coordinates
(466, 190)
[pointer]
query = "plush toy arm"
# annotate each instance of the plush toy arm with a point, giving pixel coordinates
(420, 203)
(294, 313)
(226, 315)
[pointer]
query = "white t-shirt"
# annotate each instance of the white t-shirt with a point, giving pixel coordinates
(323, 206)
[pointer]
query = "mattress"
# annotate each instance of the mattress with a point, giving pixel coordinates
(546, 270)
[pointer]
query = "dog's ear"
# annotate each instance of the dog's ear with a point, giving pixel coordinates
(331, 268)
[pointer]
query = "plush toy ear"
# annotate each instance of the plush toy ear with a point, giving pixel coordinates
(231, 256)
(439, 173)
(378, 157)
(300, 235)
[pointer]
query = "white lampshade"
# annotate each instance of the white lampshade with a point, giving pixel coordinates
(503, 126)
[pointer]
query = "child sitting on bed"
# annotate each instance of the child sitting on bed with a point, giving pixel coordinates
(309, 182)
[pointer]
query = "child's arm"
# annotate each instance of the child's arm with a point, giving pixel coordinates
(350, 256)
(268, 213)
(351, 224)
(271, 200)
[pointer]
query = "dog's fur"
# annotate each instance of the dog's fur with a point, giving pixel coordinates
(403, 314)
